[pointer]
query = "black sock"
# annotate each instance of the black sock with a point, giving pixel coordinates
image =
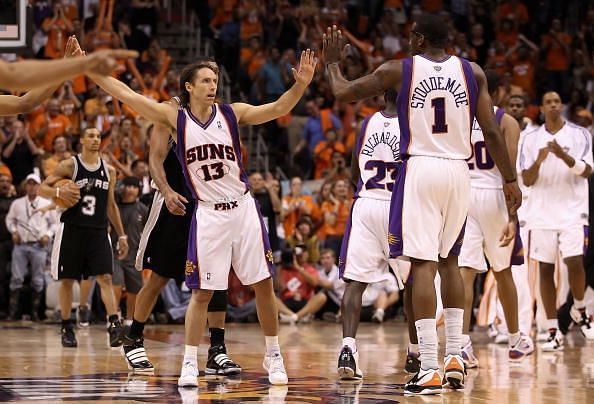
(67, 324)
(113, 318)
(136, 329)
(217, 336)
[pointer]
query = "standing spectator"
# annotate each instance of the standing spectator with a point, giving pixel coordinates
(134, 215)
(514, 11)
(6, 199)
(324, 151)
(60, 152)
(556, 44)
(20, 152)
(317, 124)
(132, 38)
(478, 42)
(51, 124)
(270, 205)
(71, 107)
(336, 213)
(57, 27)
(31, 230)
(294, 205)
(524, 65)
(272, 78)
(140, 170)
(304, 235)
(145, 13)
(463, 49)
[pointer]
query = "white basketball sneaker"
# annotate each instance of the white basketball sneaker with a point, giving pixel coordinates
(554, 343)
(470, 360)
(275, 367)
(189, 375)
(581, 318)
(521, 349)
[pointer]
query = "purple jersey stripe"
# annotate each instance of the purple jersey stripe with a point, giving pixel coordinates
(192, 266)
(229, 116)
(395, 240)
(358, 151)
(499, 115)
(180, 150)
(517, 257)
(455, 250)
(208, 121)
(266, 242)
(344, 248)
(402, 106)
(586, 238)
(472, 87)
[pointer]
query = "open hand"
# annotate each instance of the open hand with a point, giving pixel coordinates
(307, 67)
(104, 61)
(333, 45)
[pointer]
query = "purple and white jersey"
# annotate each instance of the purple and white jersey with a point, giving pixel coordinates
(210, 154)
(436, 106)
(483, 172)
(379, 156)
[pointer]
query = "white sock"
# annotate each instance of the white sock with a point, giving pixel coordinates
(351, 343)
(513, 338)
(465, 339)
(191, 355)
(552, 323)
(454, 321)
(380, 311)
(427, 334)
(128, 322)
(579, 304)
(272, 345)
(413, 348)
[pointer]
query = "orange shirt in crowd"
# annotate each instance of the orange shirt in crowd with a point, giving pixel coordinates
(57, 35)
(79, 85)
(4, 170)
(323, 156)
(523, 75)
(290, 220)
(56, 126)
(509, 39)
(498, 63)
(432, 6)
(49, 164)
(342, 216)
(520, 12)
(557, 59)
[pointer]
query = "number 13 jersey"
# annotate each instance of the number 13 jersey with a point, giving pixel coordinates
(378, 151)
(91, 209)
(210, 156)
(436, 107)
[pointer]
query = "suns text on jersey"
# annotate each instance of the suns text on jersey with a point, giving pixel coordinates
(388, 138)
(429, 84)
(210, 152)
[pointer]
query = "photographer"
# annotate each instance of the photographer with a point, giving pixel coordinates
(297, 284)
(303, 235)
(336, 213)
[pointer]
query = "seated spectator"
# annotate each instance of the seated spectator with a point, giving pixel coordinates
(140, 170)
(19, 152)
(324, 151)
(303, 235)
(241, 307)
(60, 152)
(176, 300)
(297, 284)
(332, 286)
(378, 298)
(294, 205)
(336, 213)
(6, 199)
(51, 124)
(338, 169)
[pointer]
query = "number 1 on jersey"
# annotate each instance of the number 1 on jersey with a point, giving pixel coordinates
(439, 120)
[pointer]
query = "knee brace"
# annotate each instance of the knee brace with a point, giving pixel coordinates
(218, 302)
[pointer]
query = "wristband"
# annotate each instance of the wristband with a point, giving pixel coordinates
(123, 238)
(578, 168)
(511, 181)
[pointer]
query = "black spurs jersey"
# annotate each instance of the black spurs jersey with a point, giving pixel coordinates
(91, 209)
(174, 173)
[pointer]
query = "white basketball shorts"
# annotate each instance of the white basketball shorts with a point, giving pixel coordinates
(545, 244)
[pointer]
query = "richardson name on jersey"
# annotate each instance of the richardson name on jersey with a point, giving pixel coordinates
(425, 86)
(385, 137)
(210, 152)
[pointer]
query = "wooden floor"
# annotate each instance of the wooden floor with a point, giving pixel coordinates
(34, 367)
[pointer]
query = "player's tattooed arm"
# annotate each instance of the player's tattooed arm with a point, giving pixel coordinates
(113, 213)
(386, 76)
(247, 114)
(69, 193)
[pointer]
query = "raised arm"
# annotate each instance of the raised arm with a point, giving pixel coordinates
(254, 115)
(149, 109)
(386, 76)
(495, 141)
(28, 74)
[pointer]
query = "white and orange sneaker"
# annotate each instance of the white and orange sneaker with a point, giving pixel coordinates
(454, 371)
(424, 382)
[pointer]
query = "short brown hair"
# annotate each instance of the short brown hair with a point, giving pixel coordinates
(328, 251)
(187, 76)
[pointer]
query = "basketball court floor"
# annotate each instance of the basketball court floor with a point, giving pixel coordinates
(35, 368)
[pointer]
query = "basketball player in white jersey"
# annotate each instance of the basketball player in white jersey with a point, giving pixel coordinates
(490, 232)
(226, 228)
(438, 98)
(556, 161)
(365, 250)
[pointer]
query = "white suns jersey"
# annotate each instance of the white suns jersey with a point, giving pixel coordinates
(483, 171)
(436, 107)
(378, 150)
(210, 154)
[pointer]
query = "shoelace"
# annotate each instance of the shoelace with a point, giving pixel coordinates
(276, 364)
(189, 368)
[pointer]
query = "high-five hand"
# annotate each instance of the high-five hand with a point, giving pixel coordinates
(104, 61)
(307, 67)
(333, 45)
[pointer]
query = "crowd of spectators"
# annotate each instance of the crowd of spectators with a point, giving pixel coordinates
(536, 46)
